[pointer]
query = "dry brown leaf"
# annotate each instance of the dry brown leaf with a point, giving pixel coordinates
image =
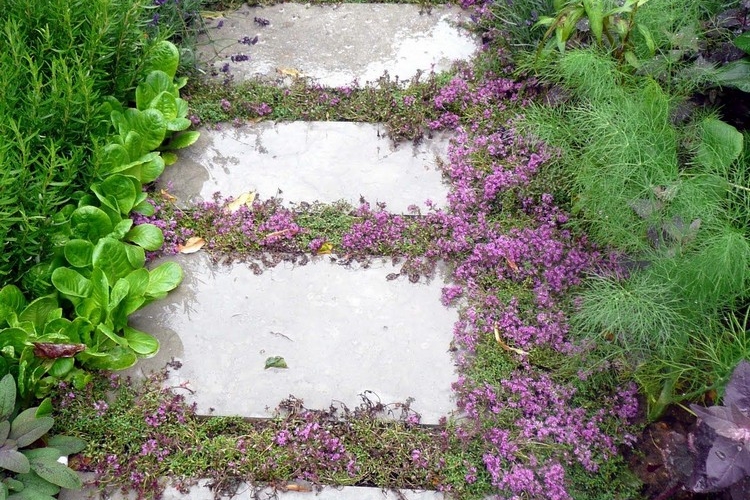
(511, 264)
(192, 245)
(245, 199)
(506, 347)
(165, 194)
(278, 233)
(299, 486)
(325, 248)
(290, 72)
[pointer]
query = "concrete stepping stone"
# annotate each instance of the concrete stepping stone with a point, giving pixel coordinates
(202, 491)
(310, 161)
(333, 45)
(341, 331)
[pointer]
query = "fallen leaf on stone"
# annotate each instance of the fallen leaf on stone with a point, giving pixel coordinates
(298, 486)
(192, 245)
(50, 350)
(211, 14)
(245, 199)
(325, 248)
(275, 362)
(165, 194)
(290, 72)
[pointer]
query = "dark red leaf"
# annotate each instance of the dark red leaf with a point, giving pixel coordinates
(49, 350)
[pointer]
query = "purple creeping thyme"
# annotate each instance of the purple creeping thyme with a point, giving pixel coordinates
(314, 446)
(261, 109)
(491, 169)
(376, 233)
(101, 407)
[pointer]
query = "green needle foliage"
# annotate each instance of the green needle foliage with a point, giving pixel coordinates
(671, 198)
(58, 59)
(639, 314)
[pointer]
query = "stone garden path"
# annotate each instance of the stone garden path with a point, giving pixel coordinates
(342, 330)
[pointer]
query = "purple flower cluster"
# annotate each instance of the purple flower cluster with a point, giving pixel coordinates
(261, 109)
(171, 409)
(376, 233)
(501, 237)
(315, 447)
(246, 40)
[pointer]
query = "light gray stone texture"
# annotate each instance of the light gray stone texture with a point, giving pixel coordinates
(202, 491)
(333, 45)
(342, 332)
(310, 161)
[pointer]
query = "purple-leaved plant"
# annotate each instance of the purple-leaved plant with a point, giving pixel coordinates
(721, 443)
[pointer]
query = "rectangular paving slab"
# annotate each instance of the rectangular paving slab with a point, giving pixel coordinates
(340, 331)
(310, 161)
(333, 45)
(202, 491)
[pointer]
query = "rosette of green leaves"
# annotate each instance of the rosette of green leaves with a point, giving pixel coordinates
(35, 473)
(105, 279)
(159, 121)
(30, 328)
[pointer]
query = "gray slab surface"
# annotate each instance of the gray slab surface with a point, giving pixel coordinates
(202, 491)
(341, 331)
(310, 161)
(333, 45)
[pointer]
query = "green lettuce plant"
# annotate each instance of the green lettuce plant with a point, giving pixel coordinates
(158, 121)
(96, 276)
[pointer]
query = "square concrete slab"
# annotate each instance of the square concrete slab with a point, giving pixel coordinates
(341, 331)
(202, 491)
(335, 44)
(310, 161)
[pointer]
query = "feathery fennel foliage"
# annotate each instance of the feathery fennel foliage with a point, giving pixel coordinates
(675, 199)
